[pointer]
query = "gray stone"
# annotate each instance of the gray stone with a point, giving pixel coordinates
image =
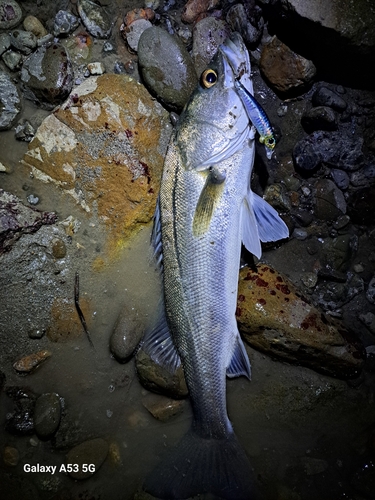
(326, 97)
(162, 408)
(331, 148)
(126, 335)
(24, 41)
(4, 42)
(249, 27)
(48, 74)
(10, 14)
(10, 102)
(340, 178)
(12, 60)
(319, 118)
(65, 22)
(158, 52)
(47, 415)
(24, 131)
(134, 31)
(208, 34)
(95, 18)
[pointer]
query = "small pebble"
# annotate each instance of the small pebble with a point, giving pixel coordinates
(92, 452)
(33, 200)
(309, 279)
(358, 268)
(28, 363)
(299, 234)
(96, 68)
(32, 24)
(36, 333)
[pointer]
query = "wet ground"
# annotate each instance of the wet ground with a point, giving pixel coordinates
(307, 436)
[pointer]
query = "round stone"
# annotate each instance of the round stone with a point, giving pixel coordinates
(10, 14)
(47, 415)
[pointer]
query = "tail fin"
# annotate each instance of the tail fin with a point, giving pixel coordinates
(198, 465)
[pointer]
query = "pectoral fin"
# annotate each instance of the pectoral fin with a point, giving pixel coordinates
(207, 202)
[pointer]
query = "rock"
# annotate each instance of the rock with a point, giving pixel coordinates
(64, 23)
(24, 41)
(323, 96)
(162, 408)
(334, 295)
(16, 219)
(48, 74)
(314, 466)
(338, 253)
(330, 202)
(20, 421)
(328, 31)
(4, 42)
(368, 319)
(248, 24)
(27, 364)
(105, 147)
(12, 60)
(274, 318)
(10, 102)
(32, 24)
(286, 71)
(340, 178)
(64, 323)
(92, 452)
(208, 34)
(158, 52)
(96, 68)
(10, 14)
(157, 379)
(58, 248)
(135, 14)
(24, 131)
(11, 456)
(127, 334)
(331, 148)
(133, 32)
(319, 118)
(47, 415)
(193, 8)
(95, 18)
(276, 196)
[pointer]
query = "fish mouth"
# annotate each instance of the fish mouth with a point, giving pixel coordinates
(236, 62)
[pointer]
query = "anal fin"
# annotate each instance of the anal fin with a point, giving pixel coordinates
(240, 364)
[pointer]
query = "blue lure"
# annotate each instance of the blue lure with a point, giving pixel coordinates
(258, 117)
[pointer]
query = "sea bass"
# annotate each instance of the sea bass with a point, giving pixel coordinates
(205, 210)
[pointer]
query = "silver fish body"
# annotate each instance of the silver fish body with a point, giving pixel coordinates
(206, 210)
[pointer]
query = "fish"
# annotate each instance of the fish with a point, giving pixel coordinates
(206, 210)
(258, 117)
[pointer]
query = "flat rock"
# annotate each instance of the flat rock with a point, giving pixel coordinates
(17, 219)
(162, 408)
(95, 18)
(208, 34)
(286, 71)
(105, 147)
(274, 318)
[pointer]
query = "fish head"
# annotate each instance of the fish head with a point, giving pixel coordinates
(214, 124)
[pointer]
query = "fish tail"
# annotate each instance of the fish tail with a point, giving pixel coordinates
(199, 465)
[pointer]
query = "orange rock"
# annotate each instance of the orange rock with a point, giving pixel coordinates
(65, 323)
(135, 14)
(30, 362)
(275, 318)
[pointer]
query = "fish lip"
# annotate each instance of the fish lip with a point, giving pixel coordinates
(236, 60)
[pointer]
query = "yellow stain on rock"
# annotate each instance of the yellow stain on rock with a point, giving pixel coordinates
(113, 137)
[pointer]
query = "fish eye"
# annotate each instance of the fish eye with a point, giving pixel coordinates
(209, 78)
(270, 142)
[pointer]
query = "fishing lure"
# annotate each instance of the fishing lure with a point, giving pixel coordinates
(258, 118)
